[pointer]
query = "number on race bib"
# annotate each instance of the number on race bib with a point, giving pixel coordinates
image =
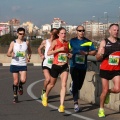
(62, 57)
(113, 60)
(20, 54)
(80, 59)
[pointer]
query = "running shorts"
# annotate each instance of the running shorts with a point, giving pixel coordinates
(58, 69)
(45, 67)
(16, 69)
(109, 74)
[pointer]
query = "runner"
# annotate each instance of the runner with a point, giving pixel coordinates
(47, 60)
(59, 49)
(18, 50)
(80, 47)
(109, 53)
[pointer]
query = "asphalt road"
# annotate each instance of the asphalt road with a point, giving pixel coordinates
(30, 107)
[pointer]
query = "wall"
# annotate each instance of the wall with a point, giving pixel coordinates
(5, 61)
(92, 88)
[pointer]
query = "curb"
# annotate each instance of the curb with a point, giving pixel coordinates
(1, 64)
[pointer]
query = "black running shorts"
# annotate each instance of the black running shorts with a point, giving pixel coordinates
(109, 74)
(58, 69)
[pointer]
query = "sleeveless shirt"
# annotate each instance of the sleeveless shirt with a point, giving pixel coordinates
(20, 51)
(111, 58)
(62, 55)
(48, 59)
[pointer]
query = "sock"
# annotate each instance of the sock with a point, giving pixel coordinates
(15, 89)
(101, 108)
(44, 90)
(21, 83)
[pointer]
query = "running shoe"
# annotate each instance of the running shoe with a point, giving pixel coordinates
(15, 99)
(61, 108)
(43, 91)
(70, 89)
(101, 113)
(107, 99)
(44, 100)
(20, 90)
(76, 108)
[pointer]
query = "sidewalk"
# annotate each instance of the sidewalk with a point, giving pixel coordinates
(91, 110)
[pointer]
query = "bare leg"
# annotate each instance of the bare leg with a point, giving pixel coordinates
(116, 87)
(64, 77)
(23, 76)
(15, 79)
(50, 85)
(105, 89)
(47, 78)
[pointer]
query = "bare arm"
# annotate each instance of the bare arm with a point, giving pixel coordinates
(93, 52)
(10, 50)
(101, 50)
(42, 45)
(29, 50)
(51, 51)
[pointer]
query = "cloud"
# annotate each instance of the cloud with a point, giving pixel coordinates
(16, 8)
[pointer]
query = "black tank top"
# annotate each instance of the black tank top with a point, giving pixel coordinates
(111, 47)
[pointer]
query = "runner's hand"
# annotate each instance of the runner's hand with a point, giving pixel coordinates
(70, 55)
(82, 52)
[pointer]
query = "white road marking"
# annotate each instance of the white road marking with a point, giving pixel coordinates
(29, 91)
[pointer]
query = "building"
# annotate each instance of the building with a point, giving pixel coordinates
(57, 23)
(95, 28)
(4, 28)
(46, 27)
(14, 22)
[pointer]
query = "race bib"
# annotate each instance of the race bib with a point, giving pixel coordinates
(113, 60)
(62, 57)
(80, 59)
(20, 54)
(49, 61)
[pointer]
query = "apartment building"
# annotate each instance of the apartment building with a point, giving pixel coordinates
(46, 27)
(4, 28)
(95, 28)
(57, 23)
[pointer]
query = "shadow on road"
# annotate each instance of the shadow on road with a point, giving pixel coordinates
(28, 100)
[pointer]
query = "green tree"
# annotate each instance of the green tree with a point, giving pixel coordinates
(6, 39)
(36, 42)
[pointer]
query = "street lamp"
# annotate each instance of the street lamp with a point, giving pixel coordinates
(106, 21)
(93, 17)
(105, 15)
(106, 18)
(92, 31)
(119, 16)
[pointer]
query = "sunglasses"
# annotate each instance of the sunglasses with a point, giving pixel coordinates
(21, 33)
(81, 30)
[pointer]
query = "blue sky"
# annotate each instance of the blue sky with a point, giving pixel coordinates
(73, 12)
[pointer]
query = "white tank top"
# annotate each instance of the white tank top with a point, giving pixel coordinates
(48, 59)
(20, 54)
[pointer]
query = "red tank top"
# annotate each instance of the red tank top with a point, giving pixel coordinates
(57, 55)
(111, 58)
(112, 62)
